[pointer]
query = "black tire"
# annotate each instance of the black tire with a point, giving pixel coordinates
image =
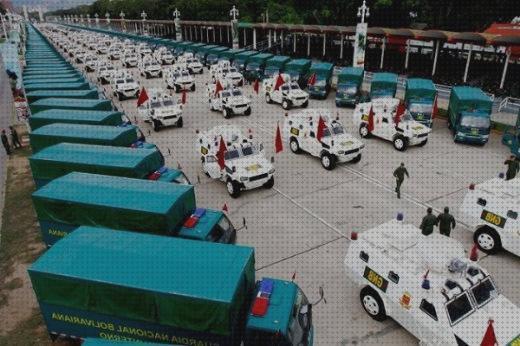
(363, 131)
(180, 122)
(400, 143)
(328, 161)
(156, 125)
(248, 111)
(177, 89)
(285, 104)
(356, 159)
(295, 146)
(226, 113)
(269, 184)
(233, 188)
(120, 97)
(268, 98)
(423, 143)
(487, 235)
(305, 104)
(192, 87)
(368, 296)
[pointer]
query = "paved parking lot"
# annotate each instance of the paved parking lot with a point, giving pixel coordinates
(303, 224)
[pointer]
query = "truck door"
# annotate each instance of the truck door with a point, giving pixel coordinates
(211, 167)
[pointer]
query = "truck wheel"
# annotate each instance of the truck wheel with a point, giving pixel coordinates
(487, 240)
(226, 113)
(156, 125)
(193, 87)
(363, 131)
(269, 184)
(400, 143)
(248, 111)
(268, 98)
(423, 143)
(372, 303)
(180, 122)
(146, 75)
(233, 188)
(328, 161)
(285, 104)
(305, 104)
(356, 159)
(295, 147)
(120, 97)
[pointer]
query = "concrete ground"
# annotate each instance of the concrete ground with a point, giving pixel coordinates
(303, 224)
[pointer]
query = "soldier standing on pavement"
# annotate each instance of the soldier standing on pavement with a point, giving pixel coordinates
(399, 174)
(428, 222)
(5, 143)
(446, 222)
(512, 167)
(14, 138)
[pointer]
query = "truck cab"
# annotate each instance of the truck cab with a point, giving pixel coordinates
(383, 85)
(336, 145)
(275, 65)
(323, 73)
(403, 132)
(348, 87)
(179, 79)
(428, 286)
(230, 101)
(511, 137)
(289, 94)
(419, 97)
(213, 54)
(245, 165)
(241, 59)
(491, 209)
(161, 110)
(209, 225)
(298, 70)
(255, 66)
(469, 115)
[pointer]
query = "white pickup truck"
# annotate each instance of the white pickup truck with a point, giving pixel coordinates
(230, 101)
(245, 165)
(115, 52)
(161, 110)
(289, 94)
(91, 63)
(179, 79)
(125, 87)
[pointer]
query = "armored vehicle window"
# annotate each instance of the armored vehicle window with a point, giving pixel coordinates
(428, 309)
(459, 308)
(394, 277)
(481, 201)
(484, 291)
(364, 256)
(512, 214)
(232, 154)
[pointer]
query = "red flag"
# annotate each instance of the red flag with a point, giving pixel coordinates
(434, 110)
(278, 145)
(184, 96)
(256, 86)
(220, 153)
(218, 87)
(371, 120)
(312, 79)
(489, 338)
(279, 82)
(321, 129)
(399, 112)
(225, 207)
(143, 97)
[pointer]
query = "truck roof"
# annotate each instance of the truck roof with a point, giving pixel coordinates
(203, 227)
(202, 279)
(92, 117)
(63, 158)
(322, 66)
(218, 49)
(246, 54)
(351, 71)
(70, 94)
(420, 83)
(59, 85)
(261, 56)
(470, 93)
(30, 81)
(278, 60)
(65, 103)
(132, 204)
(384, 77)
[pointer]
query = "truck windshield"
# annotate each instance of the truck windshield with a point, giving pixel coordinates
(232, 154)
(347, 89)
(182, 179)
(223, 232)
(301, 321)
(237, 92)
(459, 308)
(484, 291)
(423, 108)
(475, 121)
(252, 66)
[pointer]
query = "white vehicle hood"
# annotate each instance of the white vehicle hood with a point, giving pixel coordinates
(251, 166)
(343, 142)
(170, 110)
(153, 68)
(127, 86)
(238, 100)
(414, 126)
(297, 93)
(234, 75)
(506, 322)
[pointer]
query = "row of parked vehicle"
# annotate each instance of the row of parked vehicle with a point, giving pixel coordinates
(104, 195)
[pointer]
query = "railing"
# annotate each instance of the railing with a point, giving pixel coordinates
(509, 104)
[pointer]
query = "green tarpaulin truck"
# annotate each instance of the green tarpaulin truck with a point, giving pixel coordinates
(241, 59)
(419, 97)
(56, 76)
(159, 207)
(349, 86)
(46, 80)
(275, 65)
(72, 104)
(202, 52)
(194, 47)
(383, 84)
(298, 69)
(58, 85)
(173, 291)
(255, 66)
(230, 54)
(36, 95)
(60, 159)
(52, 116)
(213, 55)
(511, 137)
(323, 79)
(469, 115)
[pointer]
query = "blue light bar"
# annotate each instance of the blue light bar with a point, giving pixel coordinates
(199, 212)
(266, 287)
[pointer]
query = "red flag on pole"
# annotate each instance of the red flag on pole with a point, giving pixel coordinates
(220, 153)
(279, 82)
(143, 97)
(434, 110)
(321, 129)
(184, 96)
(490, 338)
(312, 79)
(399, 112)
(256, 86)
(218, 87)
(278, 144)
(225, 207)
(371, 120)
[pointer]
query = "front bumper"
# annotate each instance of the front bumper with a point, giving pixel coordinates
(317, 93)
(131, 63)
(129, 92)
(256, 183)
(417, 140)
(195, 69)
(350, 154)
(169, 120)
(346, 101)
(472, 139)
(185, 85)
(299, 102)
(153, 73)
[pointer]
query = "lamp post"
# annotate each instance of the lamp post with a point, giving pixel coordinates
(107, 16)
(123, 24)
(234, 26)
(97, 18)
(177, 22)
(361, 36)
(88, 19)
(81, 18)
(143, 16)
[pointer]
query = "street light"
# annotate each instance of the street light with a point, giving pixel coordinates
(122, 15)
(363, 11)
(123, 25)
(143, 15)
(97, 18)
(107, 16)
(234, 13)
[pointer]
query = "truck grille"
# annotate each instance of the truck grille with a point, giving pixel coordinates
(170, 117)
(258, 177)
(301, 98)
(348, 152)
(241, 105)
(422, 135)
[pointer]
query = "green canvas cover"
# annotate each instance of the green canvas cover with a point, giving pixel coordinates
(61, 159)
(48, 70)
(56, 133)
(157, 288)
(245, 55)
(217, 50)
(278, 61)
(383, 80)
(65, 103)
(351, 75)
(51, 116)
(115, 202)
(322, 69)
(205, 48)
(56, 76)
(260, 58)
(46, 80)
(463, 99)
(230, 53)
(298, 65)
(57, 86)
(35, 95)
(194, 47)
(419, 88)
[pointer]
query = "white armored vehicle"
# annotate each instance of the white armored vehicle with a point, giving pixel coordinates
(125, 87)
(161, 110)
(288, 94)
(179, 79)
(230, 100)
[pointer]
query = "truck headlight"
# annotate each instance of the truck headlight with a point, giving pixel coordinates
(244, 178)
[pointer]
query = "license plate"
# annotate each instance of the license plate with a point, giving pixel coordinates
(295, 131)
(474, 131)
(493, 218)
(375, 279)
(203, 150)
(420, 117)
(364, 117)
